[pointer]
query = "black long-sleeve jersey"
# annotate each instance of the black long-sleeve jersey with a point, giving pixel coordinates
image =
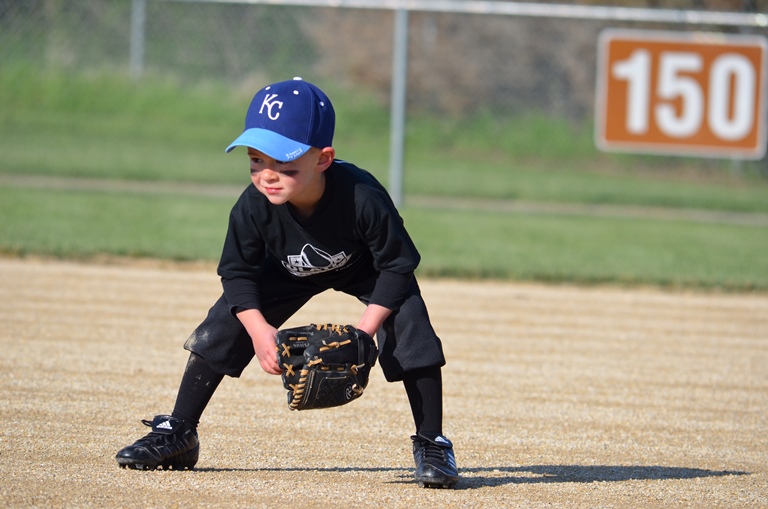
(354, 234)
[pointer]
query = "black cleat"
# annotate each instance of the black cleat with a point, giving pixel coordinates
(435, 461)
(171, 444)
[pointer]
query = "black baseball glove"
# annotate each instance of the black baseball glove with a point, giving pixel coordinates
(324, 365)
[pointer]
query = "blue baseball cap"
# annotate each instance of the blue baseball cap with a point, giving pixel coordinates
(285, 119)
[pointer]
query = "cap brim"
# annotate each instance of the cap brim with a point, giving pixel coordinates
(270, 143)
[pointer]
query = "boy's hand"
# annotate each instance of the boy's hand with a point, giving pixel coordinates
(265, 347)
(263, 338)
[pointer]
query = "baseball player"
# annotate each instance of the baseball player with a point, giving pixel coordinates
(310, 222)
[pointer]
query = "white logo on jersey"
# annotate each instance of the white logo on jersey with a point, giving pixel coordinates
(313, 261)
(269, 101)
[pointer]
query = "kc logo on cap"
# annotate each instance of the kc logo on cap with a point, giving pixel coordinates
(269, 102)
(286, 119)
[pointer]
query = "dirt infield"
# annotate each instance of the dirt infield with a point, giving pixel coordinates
(554, 397)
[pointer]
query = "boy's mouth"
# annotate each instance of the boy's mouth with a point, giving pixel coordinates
(271, 190)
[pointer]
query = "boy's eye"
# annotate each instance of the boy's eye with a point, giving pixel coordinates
(260, 160)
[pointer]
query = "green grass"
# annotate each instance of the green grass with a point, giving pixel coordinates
(109, 128)
(465, 244)
(560, 184)
(590, 250)
(86, 224)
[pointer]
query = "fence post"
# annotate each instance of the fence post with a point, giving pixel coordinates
(397, 124)
(138, 18)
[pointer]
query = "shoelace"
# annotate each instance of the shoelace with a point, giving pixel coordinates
(432, 451)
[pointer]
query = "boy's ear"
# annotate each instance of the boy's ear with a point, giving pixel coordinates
(326, 157)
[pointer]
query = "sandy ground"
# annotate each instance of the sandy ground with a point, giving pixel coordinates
(554, 396)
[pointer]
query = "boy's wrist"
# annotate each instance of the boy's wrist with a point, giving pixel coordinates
(373, 318)
(254, 322)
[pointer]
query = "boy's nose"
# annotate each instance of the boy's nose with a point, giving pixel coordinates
(268, 175)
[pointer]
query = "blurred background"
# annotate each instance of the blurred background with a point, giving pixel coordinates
(114, 116)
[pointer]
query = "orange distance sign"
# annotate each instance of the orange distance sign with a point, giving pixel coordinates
(681, 93)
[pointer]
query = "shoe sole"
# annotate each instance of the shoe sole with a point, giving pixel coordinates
(164, 466)
(437, 483)
(186, 461)
(177, 464)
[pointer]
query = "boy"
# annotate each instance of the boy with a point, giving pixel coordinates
(308, 223)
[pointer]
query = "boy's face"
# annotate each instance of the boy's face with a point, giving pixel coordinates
(299, 182)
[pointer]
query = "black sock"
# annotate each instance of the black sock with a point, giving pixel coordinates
(425, 394)
(197, 386)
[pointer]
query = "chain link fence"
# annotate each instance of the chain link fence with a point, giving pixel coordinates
(460, 65)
